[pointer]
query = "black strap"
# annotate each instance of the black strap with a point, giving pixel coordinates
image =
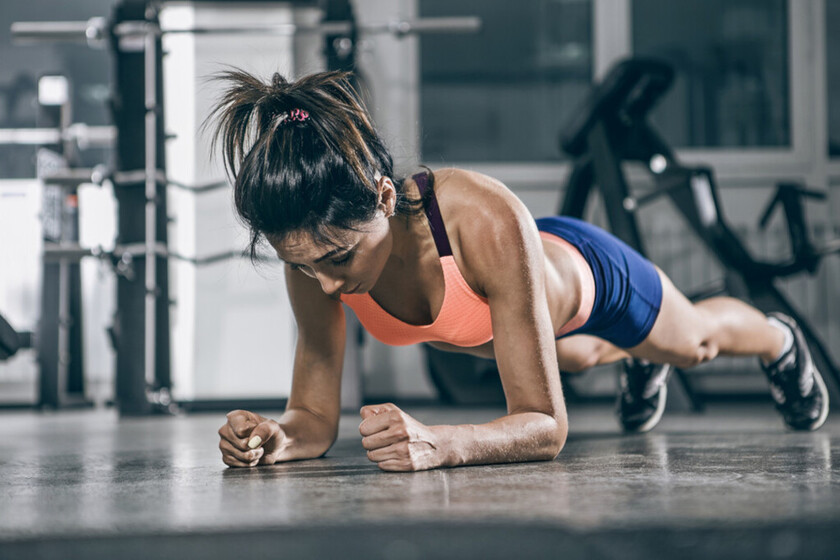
(433, 214)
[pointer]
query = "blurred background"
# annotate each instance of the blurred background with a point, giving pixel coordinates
(486, 85)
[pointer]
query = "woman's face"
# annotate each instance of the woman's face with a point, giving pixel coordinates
(352, 265)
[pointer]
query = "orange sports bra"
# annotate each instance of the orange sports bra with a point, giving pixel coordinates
(464, 317)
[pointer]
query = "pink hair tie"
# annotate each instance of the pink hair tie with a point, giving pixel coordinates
(298, 115)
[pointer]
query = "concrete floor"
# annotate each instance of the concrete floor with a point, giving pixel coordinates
(730, 483)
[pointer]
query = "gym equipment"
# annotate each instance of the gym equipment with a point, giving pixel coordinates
(59, 341)
(11, 340)
(612, 127)
(82, 135)
(97, 31)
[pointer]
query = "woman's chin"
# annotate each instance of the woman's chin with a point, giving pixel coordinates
(359, 289)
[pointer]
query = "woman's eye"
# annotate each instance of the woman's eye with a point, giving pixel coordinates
(305, 269)
(344, 260)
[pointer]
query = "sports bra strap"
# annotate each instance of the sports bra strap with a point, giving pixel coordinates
(433, 214)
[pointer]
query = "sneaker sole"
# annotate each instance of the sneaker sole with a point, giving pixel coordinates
(824, 412)
(789, 321)
(657, 414)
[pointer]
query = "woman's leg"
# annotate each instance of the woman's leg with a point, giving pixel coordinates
(687, 334)
(684, 334)
(581, 352)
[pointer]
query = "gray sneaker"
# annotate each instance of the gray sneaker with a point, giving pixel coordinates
(644, 390)
(796, 385)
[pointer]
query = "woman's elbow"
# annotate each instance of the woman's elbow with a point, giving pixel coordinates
(560, 434)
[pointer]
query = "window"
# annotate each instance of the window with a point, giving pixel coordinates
(504, 94)
(832, 53)
(731, 58)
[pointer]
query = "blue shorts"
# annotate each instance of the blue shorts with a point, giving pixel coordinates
(628, 291)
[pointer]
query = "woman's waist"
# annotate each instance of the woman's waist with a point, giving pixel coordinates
(574, 279)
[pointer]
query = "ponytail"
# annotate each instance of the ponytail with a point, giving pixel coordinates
(302, 154)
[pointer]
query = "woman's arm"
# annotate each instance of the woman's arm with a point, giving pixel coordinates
(502, 250)
(309, 425)
(310, 421)
(502, 254)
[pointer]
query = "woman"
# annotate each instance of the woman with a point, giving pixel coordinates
(453, 258)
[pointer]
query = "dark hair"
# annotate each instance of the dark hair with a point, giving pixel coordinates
(314, 174)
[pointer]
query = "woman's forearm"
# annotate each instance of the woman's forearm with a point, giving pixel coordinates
(307, 435)
(525, 436)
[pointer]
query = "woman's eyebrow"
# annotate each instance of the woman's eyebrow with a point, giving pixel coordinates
(332, 253)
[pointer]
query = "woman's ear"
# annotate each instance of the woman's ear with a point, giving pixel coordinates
(387, 196)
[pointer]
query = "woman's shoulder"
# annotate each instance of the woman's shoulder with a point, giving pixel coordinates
(483, 219)
(455, 183)
(473, 202)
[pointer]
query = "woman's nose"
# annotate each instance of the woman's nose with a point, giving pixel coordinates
(329, 285)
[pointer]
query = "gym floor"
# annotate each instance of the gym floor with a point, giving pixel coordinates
(729, 483)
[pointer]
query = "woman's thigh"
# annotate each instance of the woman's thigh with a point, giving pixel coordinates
(580, 352)
(682, 332)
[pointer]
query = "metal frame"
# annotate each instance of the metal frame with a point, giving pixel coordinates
(154, 110)
(613, 128)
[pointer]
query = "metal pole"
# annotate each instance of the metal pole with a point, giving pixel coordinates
(86, 136)
(151, 202)
(64, 321)
(35, 31)
(467, 24)
(92, 31)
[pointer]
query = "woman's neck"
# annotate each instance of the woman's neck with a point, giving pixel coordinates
(413, 245)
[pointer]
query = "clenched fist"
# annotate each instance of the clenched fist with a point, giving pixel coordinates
(248, 440)
(397, 442)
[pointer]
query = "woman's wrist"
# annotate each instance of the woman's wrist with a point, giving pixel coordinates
(297, 448)
(303, 438)
(450, 453)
